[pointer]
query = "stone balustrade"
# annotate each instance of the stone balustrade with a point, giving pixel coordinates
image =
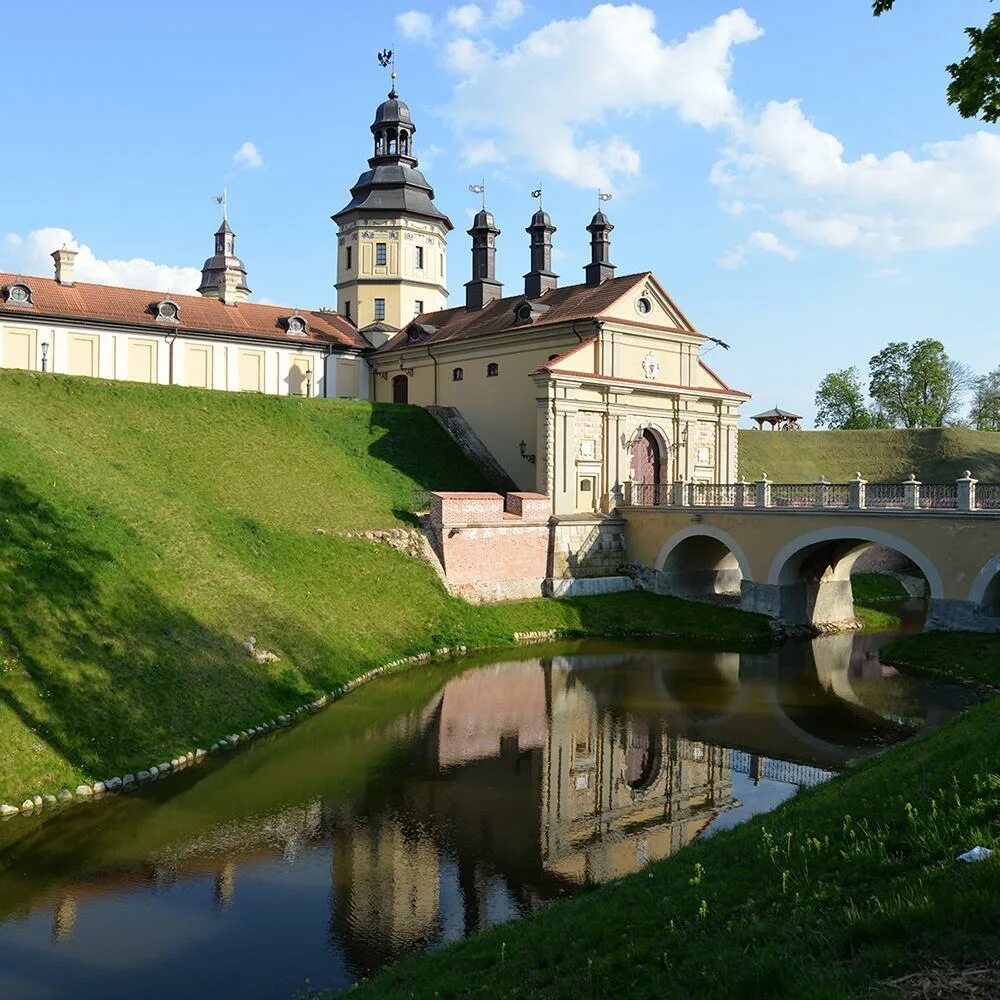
(966, 495)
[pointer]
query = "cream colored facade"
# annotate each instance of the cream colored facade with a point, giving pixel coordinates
(579, 395)
(412, 279)
(130, 354)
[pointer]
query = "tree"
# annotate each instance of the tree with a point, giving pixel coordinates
(840, 402)
(975, 81)
(916, 385)
(984, 411)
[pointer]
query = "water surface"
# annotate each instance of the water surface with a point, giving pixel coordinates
(427, 806)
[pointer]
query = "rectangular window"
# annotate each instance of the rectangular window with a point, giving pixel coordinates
(418, 306)
(380, 254)
(349, 252)
(420, 258)
(379, 309)
(347, 309)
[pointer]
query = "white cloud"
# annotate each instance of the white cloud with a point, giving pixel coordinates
(30, 255)
(876, 205)
(248, 156)
(506, 12)
(486, 151)
(759, 240)
(467, 17)
(584, 70)
(415, 24)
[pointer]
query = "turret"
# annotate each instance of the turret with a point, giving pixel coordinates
(223, 275)
(483, 288)
(600, 268)
(541, 277)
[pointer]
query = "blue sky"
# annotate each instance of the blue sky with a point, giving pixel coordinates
(791, 172)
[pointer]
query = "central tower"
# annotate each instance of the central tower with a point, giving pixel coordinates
(392, 248)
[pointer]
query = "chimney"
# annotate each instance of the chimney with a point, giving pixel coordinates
(65, 259)
(231, 293)
(600, 268)
(484, 287)
(541, 277)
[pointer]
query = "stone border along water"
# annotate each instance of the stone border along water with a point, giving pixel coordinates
(131, 782)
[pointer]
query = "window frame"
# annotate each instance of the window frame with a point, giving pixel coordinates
(458, 374)
(381, 254)
(418, 257)
(348, 258)
(493, 370)
(379, 307)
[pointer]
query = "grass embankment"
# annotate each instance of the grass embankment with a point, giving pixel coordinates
(845, 887)
(938, 455)
(875, 594)
(146, 532)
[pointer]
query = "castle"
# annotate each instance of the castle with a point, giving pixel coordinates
(573, 390)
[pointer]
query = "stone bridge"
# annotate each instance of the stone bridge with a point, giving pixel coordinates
(787, 550)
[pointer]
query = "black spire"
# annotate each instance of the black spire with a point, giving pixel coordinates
(600, 268)
(541, 277)
(484, 287)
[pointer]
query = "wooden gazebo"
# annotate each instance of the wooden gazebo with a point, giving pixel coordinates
(778, 420)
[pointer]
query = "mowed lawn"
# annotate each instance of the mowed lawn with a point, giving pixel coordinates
(146, 532)
(936, 455)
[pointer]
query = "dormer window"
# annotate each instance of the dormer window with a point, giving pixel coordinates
(523, 313)
(167, 311)
(296, 326)
(18, 294)
(527, 311)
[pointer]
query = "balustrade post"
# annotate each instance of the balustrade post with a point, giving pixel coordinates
(763, 491)
(856, 492)
(911, 493)
(966, 492)
(822, 492)
(680, 493)
(627, 492)
(744, 498)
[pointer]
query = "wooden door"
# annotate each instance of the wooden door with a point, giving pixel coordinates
(400, 389)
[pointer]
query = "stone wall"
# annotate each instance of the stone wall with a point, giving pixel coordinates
(491, 548)
(495, 548)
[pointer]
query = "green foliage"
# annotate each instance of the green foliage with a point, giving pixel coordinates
(873, 588)
(971, 657)
(984, 410)
(840, 402)
(975, 80)
(936, 455)
(915, 385)
(146, 532)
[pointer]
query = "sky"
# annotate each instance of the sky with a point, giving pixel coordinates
(791, 173)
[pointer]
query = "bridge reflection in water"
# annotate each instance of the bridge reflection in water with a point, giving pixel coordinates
(508, 785)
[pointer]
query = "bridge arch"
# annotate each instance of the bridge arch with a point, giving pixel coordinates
(812, 573)
(702, 561)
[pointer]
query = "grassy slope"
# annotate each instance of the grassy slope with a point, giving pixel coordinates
(145, 532)
(936, 456)
(847, 885)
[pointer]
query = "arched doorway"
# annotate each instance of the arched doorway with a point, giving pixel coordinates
(646, 468)
(400, 389)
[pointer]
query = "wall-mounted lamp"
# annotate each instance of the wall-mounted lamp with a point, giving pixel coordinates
(523, 447)
(45, 355)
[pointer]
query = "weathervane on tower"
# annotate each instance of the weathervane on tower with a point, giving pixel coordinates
(387, 58)
(479, 189)
(602, 196)
(223, 200)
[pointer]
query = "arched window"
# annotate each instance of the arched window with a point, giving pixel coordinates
(457, 375)
(400, 389)
(404, 143)
(492, 370)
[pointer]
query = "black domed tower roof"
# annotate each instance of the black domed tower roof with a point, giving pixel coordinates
(393, 185)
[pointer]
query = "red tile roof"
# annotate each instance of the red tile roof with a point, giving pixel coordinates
(132, 307)
(574, 302)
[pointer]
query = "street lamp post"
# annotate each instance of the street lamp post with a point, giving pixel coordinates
(45, 355)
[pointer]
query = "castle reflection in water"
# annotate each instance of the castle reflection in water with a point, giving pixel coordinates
(519, 781)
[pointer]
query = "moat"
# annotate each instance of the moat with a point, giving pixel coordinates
(429, 805)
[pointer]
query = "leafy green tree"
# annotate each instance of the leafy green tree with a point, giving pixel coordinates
(984, 411)
(840, 402)
(916, 385)
(975, 81)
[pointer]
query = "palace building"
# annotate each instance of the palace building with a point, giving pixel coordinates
(572, 389)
